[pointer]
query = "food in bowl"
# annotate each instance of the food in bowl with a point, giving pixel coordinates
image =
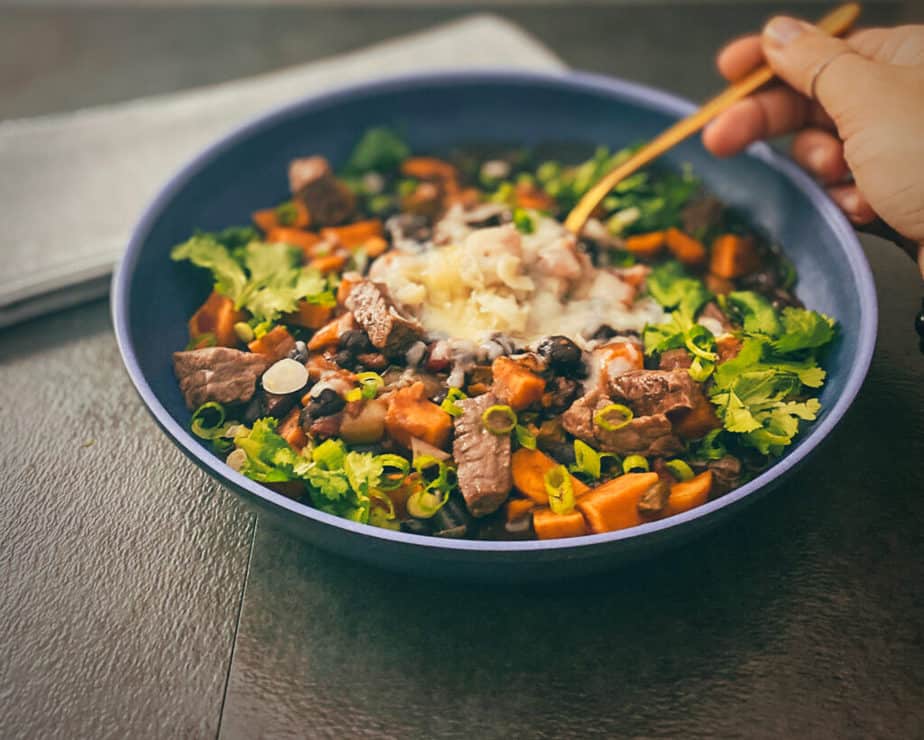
(417, 343)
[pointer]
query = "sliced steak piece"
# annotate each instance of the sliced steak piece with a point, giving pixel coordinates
(701, 214)
(482, 459)
(388, 330)
(726, 473)
(675, 359)
(649, 392)
(219, 374)
(650, 435)
(712, 312)
(328, 200)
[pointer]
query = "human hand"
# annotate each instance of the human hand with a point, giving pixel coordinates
(856, 107)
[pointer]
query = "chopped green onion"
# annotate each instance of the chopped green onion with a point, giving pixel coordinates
(356, 394)
(286, 213)
(561, 492)
(586, 460)
(262, 328)
(394, 470)
(503, 194)
(208, 420)
(602, 417)
(548, 171)
(699, 340)
(406, 187)
(700, 369)
(525, 437)
(499, 419)
(635, 464)
(523, 221)
(370, 384)
(679, 469)
(449, 404)
(206, 339)
(244, 331)
(424, 503)
(380, 204)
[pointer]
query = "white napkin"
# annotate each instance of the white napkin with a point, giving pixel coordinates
(72, 185)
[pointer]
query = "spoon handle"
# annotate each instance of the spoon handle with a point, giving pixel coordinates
(835, 23)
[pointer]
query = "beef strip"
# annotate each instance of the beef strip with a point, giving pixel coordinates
(650, 435)
(675, 359)
(649, 392)
(701, 214)
(328, 200)
(219, 374)
(374, 310)
(482, 459)
(712, 311)
(726, 473)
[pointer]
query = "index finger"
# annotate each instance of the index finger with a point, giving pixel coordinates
(740, 57)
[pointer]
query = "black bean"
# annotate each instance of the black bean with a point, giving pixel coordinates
(415, 526)
(299, 353)
(253, 411)
(345, 359)
(561, 451)
(327, 403)
(355, 341)
(278, 406)
(452, 520)
(562, 354)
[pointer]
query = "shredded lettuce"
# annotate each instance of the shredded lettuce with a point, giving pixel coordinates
(265, 279)
(270, 459)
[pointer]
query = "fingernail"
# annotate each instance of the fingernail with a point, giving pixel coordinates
(782, 30)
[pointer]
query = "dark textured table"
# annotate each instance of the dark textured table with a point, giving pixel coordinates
(139, 599)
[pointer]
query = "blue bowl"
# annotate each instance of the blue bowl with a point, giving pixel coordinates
(153, 297)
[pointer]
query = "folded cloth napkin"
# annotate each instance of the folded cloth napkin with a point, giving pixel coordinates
(100, 166)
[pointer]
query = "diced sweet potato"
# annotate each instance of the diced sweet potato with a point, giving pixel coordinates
(515, 385)
(291, 431)
(551, 526)
(353, 235)
(309, 315)
(275, 344)
(689, 494)
(698, 421)
(347, 281)
(529, 468)
(614, 505)
(733, 256)
(217, 317)
(328, 263)
(517, 508)
(529, 196)
(645, 245)
(428, 168)
(684, 247)
(329, 334)
(304, 240)
(411, 414)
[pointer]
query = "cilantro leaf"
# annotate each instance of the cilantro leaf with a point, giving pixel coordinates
(670, 286)
(757, 314)
(380, 150)
(804, 329)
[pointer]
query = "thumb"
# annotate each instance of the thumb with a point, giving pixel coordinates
(815, 64)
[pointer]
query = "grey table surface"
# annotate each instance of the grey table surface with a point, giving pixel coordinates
(138, 598)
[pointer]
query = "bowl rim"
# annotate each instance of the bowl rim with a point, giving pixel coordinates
(605, 86)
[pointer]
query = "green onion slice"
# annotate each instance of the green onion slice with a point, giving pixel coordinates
(208, 420)
(449, 404)
(356, 394)
(369, 384)
(603, 417)
(700, 341)
(206, 339)
(499, 419)
(525, 437)
(679, 469)
(635, 464)
(394, 470)
(424, 503)
(586, 460)
(561, 492)
(700, 369)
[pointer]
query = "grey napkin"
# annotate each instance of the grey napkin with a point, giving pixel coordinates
(100, 166)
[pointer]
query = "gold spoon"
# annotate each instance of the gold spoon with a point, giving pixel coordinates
(835, 23)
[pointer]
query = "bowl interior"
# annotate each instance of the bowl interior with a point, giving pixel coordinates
(155, 297)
